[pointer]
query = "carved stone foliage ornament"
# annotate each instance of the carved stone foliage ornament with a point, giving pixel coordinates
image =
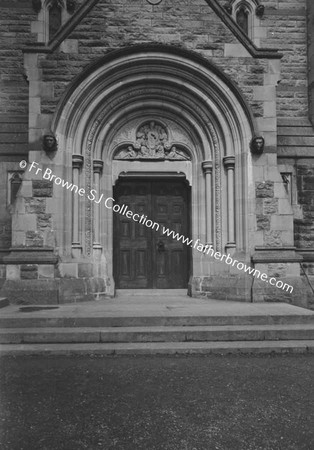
(152, 143)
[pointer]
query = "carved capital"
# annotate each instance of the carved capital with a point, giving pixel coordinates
(229, 162)
(77, 161)
(207, 166)
(98, 165)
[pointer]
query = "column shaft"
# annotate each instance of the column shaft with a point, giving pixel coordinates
(77, 162)
(207, 168)
(229, 162)
(97, 166)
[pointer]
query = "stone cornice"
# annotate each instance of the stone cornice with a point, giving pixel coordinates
(84, 9)
(268, 255)
(30, 255)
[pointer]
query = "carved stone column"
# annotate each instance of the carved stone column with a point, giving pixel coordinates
(97, 167)
(208, 169)
(229, 163)
(77, 162)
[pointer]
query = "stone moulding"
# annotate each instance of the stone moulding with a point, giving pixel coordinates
(276, 255)
(306, 253)
(31, 255)
(154, 49)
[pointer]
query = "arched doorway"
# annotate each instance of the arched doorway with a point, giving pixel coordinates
(204, 132)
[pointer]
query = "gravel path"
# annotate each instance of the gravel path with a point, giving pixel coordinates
(157, 403)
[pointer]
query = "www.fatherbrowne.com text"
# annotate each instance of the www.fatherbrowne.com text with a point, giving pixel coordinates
(110, 203)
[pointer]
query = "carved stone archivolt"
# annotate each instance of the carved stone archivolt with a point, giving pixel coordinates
(152, 143)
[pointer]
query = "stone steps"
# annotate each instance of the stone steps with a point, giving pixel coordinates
(156, 324)
(160, 348)
(157, 334)
(51, 321)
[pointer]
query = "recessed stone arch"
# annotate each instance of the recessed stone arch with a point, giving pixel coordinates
(181, 90)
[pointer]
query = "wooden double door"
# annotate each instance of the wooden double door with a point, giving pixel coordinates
(144, 256)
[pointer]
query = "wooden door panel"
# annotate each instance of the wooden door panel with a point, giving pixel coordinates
(125, 267)
(144, 257)
(132, 266)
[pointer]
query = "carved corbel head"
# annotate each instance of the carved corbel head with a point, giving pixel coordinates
(228, 8)
(260, 10)
(71, 5)
(257, 145)
(36, 5)
(50, 143)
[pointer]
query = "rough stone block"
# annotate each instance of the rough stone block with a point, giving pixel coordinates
(263, 222)
(270, 206)
(29, 272)
(31, 292)
(43, 220)
(264, 189)
(273, 238)
(42, 188)
(34, 239)
(35, 205)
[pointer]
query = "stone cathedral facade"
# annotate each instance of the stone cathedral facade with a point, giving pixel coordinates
(123, 118)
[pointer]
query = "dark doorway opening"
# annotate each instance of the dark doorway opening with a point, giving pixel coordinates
(144, 256)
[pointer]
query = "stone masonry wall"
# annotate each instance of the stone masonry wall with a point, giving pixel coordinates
(189, 24)
(287, 31)
(304, 228)
(15, 32)
(194, 26)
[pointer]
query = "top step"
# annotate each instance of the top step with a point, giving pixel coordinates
(125, 293)
(153, 311)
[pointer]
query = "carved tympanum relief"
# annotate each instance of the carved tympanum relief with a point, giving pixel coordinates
(152, 142)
